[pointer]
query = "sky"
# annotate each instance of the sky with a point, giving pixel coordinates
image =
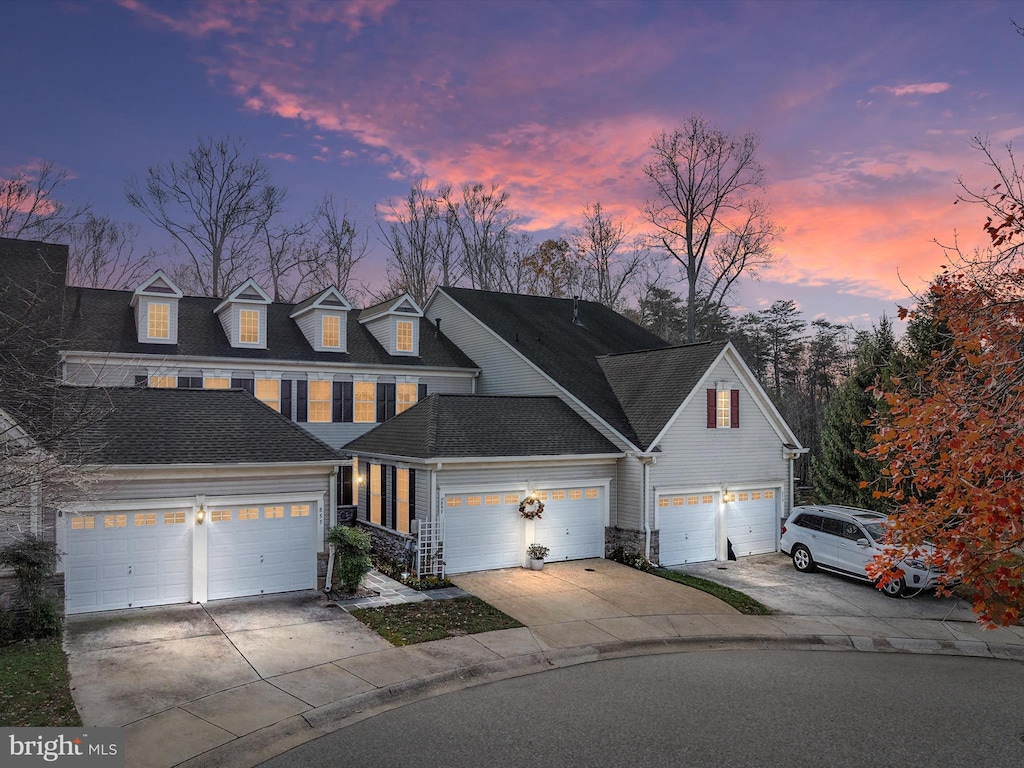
(865, 112)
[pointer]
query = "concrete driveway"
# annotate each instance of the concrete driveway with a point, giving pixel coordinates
(599, 601)
(774, 581)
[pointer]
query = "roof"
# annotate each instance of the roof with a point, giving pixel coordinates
(542, 330)
(652, 384)
(103, 321)
(484, 426)
(139, 426)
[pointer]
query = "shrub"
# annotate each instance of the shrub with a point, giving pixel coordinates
(34, 560)
(351, 555)
(537, 551)
(634, 558)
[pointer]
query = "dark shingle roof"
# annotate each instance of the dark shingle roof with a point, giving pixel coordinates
(542, 330)
(479, 426)
(182, 426)
(651, 385)
(103, 321)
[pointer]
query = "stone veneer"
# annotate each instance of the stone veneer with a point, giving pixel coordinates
(630, 541)
(390, 543)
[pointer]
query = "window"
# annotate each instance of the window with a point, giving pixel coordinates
(319, 407)
(81, 523)
(511, 498)
(163, 382)
(364, 396)
(707, 498)
(249, 326)
(678, 501)
(248, 513)
(832, 526)
(809, 521)
(472, 501)
(558, 495)
(330, 331)
(540, 495)
(491, 501)
(375, 498)
(145, 518)
(576, 494)
(454, 501)
(159, 320)
(402, 500)
(755, 495)
(403, 338)
(269, 391)
(220, 515)
(271, 513)
(723, 408)
(744, 497)
(663, 501)
(592, 493)
(174, 518)
(300, 510)
(115, 521)
(216, 382)
(769, 494)
(693, 500)
(406, 397)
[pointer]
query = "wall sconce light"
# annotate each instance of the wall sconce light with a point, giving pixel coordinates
(359, 479)
(200, 516)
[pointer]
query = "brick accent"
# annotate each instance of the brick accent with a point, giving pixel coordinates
(630, 540)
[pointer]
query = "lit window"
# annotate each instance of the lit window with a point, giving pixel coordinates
(472, 501)
(693, 500)
(592, 493)
(406, 396)
(511, 498)
(492, 500)
(454, 501)
(557, 495)
(330, 331)
(163, 382)
(729, 497)
(404, 336)
(271, 513)
(159, 319)
(174, 518)
(769, 494)
(375, 500)
(541, 495)
(80, 523)
(269, 391)
(723, 410)
(249, 326)
(220, 515)
(755, 495)
(744, 497)
(115, 521)
(707, 498)
(216, 382)
(678, 501)
(299, 510)
(146, 518)
(402, 501)
(248, 513)
(319, 405)
(663, 501)
(365, 399)
(576, 493)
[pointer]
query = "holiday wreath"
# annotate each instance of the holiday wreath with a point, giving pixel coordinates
(531, 507)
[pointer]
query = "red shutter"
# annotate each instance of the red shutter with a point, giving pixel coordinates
(712, 404)
(734, 409)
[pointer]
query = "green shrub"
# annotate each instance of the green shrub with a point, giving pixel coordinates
(34, 560)
(634, 558)
(351, 555)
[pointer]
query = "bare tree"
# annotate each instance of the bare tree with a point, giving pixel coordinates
(485, 226)
(706, 212)
(216, 204)
(338, 245)
(409, 230)
(553, 269)
(102, 254)
(289, 260)
(29, 208)
(611, 264)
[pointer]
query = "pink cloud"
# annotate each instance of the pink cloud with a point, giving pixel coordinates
(913, 89)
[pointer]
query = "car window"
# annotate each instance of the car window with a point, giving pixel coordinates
(831, 525)
(809, 521)
(852, 531)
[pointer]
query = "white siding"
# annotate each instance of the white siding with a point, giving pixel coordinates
(308, 325)
(382, 328)
(626, 514)
(102, 375)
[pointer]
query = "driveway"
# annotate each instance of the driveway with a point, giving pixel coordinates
(774, 581)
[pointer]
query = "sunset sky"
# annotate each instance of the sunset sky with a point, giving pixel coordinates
(865, 111)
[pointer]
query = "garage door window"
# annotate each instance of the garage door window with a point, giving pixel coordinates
(300, 510)
(576, 493)
(80, 523)
(146, 518)
(453, 501)
(248, 513)
(472, 501)
(220, 515)
(174, 518)
(511, 498)
(115, 521)
(271, 513)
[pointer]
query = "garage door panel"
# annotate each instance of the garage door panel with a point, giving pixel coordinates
(751, 522)
(686, 527)
(479, 538)
(572, 528)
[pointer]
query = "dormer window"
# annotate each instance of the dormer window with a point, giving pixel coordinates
(243, 315)
(158, 319)
(323, 320)
(249, 326)
(330, 328)
(403, 336)
(395, 324)
(156, 310)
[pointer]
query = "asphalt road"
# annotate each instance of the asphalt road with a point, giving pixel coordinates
(725, 708)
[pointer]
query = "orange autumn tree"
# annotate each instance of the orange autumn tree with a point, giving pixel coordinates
(952, 444)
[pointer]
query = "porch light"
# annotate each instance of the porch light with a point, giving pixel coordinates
(200, 516)
(359, 479)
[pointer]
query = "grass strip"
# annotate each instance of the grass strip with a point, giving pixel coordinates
(410, 623)
(35, 689)
(741, 602)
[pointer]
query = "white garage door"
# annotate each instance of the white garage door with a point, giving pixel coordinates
(261, 549)
(751, 520)
(482, 531)
(572, 525)
(686, 524)
(127, 559)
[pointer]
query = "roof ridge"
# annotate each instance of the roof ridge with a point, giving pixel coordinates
(687, 345)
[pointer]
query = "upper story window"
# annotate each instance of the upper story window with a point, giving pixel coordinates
(319, 401)
(364, 397)
(269, 391)
(722, 411)
(163, 382)
(406, 397)
(216, 382)
(249, 326)
(158, 320)
(330, 331)
(403, 338)
(723, 408)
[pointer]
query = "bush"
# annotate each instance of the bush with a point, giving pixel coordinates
(34, 560)
(351, 555)
(634, 558)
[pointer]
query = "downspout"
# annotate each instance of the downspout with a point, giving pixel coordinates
(646, 462)
(332, 499)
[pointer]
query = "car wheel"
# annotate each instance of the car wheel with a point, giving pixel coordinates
(802, 559)
(895, 587)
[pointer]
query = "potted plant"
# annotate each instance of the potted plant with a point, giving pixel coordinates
(537, 553)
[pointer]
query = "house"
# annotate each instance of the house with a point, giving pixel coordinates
(685, 454)
(220, 439)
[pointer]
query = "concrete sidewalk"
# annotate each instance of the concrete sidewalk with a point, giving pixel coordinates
(307, 671)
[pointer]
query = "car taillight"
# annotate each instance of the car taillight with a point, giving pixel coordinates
(783, 529)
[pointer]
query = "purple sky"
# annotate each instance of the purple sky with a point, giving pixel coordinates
(865, 111)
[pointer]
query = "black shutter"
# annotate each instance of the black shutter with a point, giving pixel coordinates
(249, 385)
(286, 397)
(141, 380)
(336, 405)
(412, 495)
(391, 398)
(712, 405)
(421, 392)
(384, 494)
(734, 409)
(346, 487)
(382, 413)
(184, 382)
(346, 401)
(394, 498)
(300, 399)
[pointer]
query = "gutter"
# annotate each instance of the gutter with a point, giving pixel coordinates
(646, 461)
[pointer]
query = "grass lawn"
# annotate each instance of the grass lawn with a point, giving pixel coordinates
(34, 686)
(411, 623)
(741, 602)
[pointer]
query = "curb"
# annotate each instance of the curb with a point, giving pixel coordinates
(261, 745)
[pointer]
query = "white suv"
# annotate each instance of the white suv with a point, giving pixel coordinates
(845, 540)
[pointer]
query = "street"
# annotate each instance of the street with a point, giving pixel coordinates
(724, 708)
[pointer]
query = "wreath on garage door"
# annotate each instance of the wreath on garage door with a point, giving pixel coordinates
(531, 507)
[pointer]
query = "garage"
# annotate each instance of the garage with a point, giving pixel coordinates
(687, 522)
(573, 523)
(482, 531)
(751, 519)
(127, 559)
(260, 549)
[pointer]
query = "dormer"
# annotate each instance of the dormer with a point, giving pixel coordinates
(243, 314)
(395, 323)
(156, 310)
(323, 320)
